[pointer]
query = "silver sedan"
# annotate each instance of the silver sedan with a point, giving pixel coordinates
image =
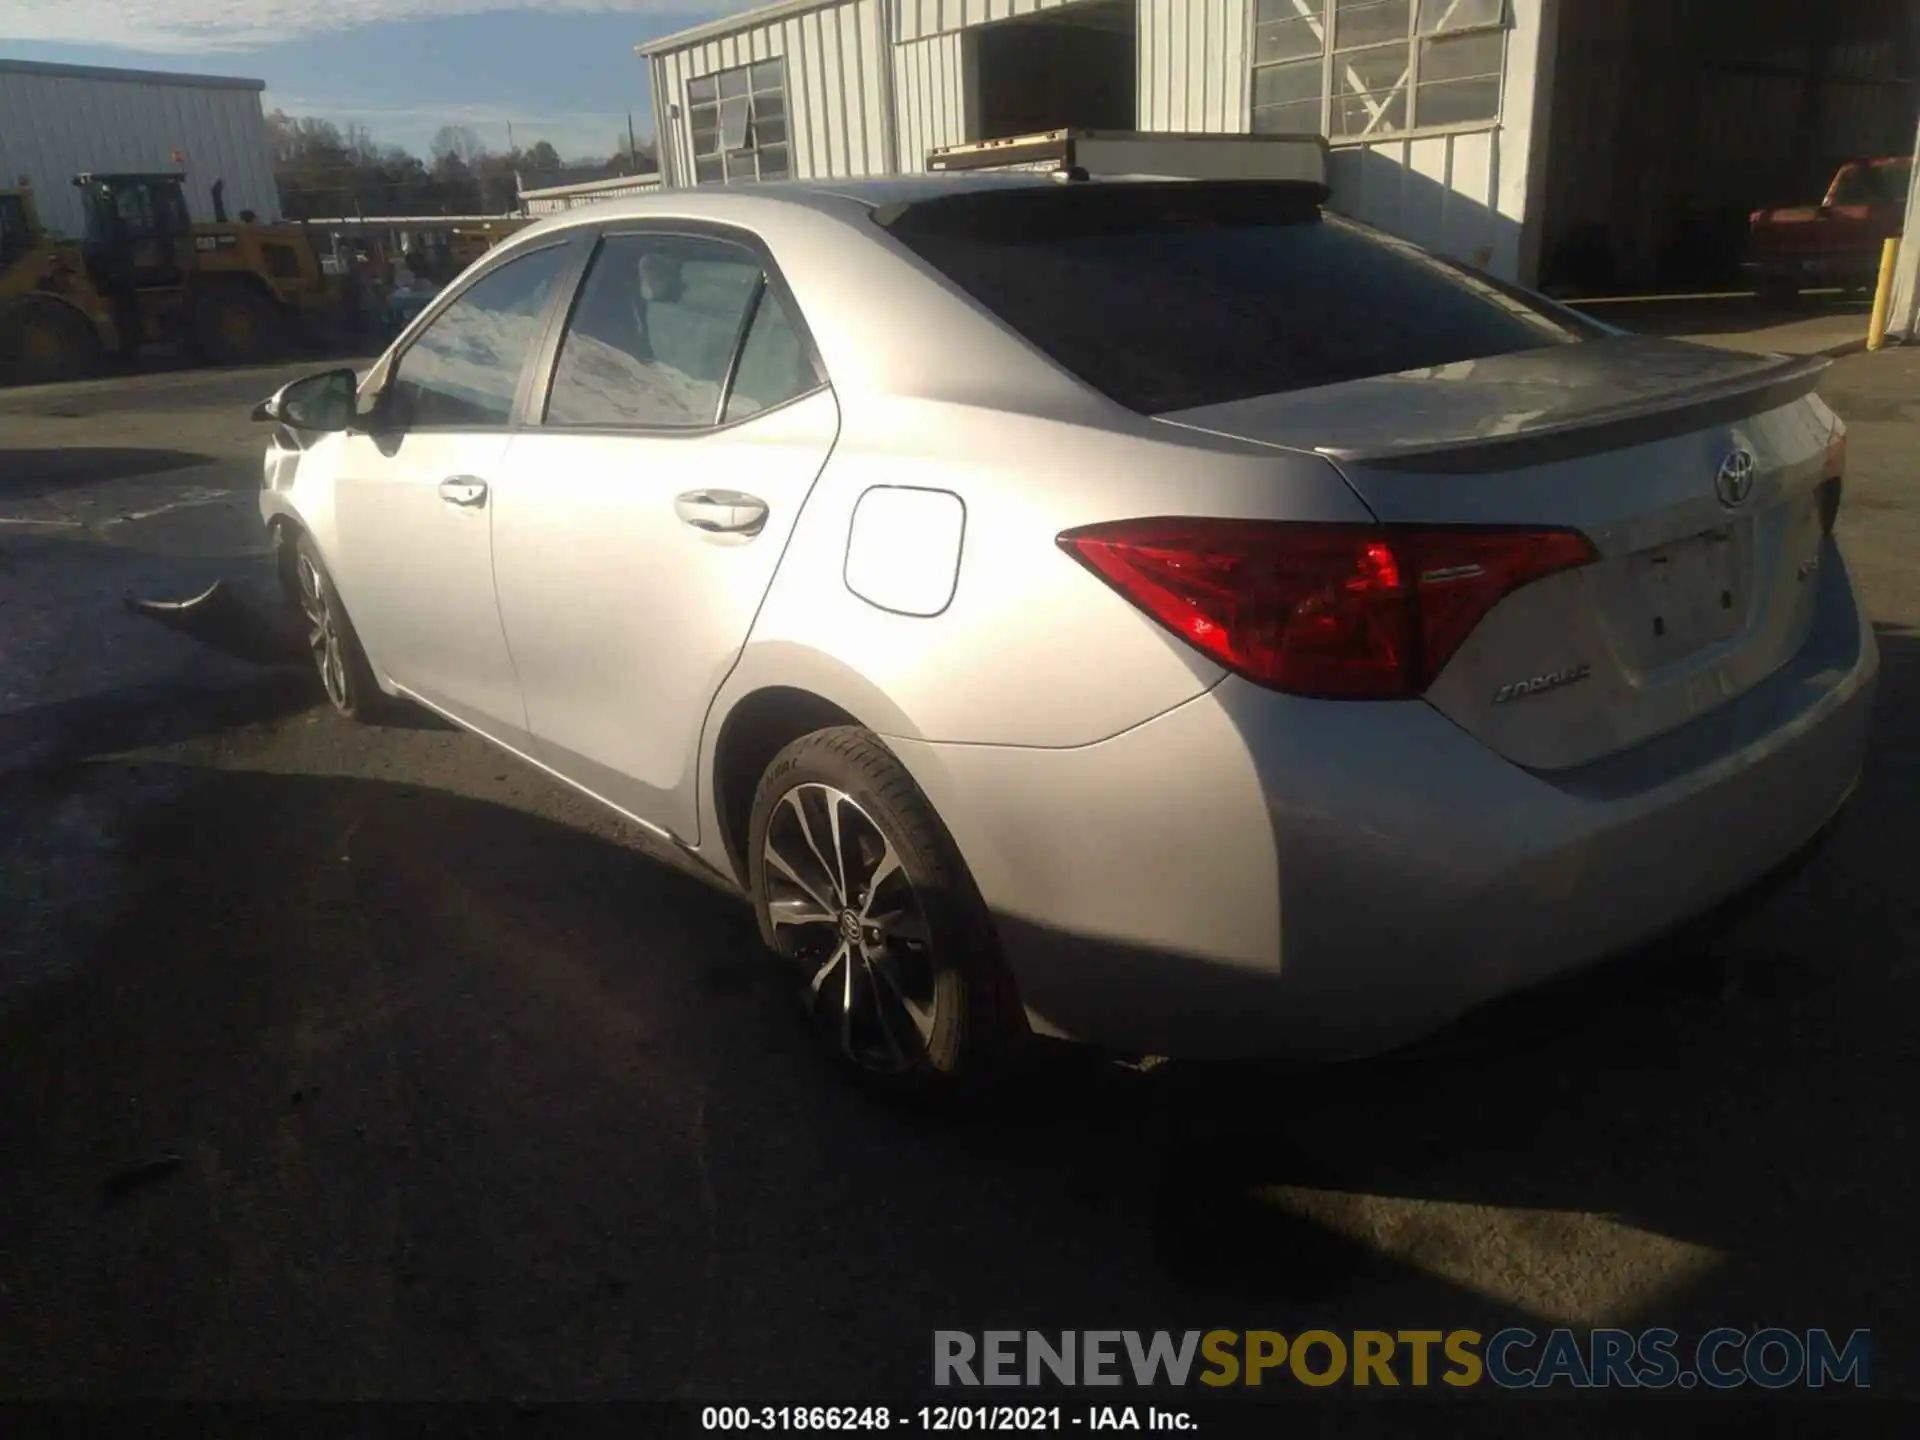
(1157, 614)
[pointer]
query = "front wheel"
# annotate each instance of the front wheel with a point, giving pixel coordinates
(42, 341)
(234, 324)
(345, 675)
(861, 891)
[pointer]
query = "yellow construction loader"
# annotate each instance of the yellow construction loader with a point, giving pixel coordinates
(230, 292)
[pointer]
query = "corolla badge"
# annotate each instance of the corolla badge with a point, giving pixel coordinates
(1734, 483)
(1540, 684)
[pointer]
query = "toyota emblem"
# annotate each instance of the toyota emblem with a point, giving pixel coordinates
(1734, 483)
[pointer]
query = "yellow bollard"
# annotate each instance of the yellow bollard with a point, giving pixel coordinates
(1882, 296)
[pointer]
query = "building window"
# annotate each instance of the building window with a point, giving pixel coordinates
(739, 121)
(1362, 69)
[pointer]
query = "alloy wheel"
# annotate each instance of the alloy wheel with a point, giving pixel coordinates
(323, 632)
(846, 916)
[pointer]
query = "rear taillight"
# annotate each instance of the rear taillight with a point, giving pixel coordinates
(1339, 611)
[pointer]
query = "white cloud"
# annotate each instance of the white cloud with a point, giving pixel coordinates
(191, 26)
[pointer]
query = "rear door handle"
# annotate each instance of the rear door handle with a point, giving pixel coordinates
(467, 490)
(722, 512)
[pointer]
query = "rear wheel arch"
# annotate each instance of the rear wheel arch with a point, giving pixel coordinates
(758, 727)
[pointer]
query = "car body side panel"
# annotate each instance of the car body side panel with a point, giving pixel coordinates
(1032, 649)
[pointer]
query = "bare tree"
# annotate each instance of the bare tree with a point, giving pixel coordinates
(459, 141)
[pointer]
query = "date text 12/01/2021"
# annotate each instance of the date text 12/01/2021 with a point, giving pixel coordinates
(940, 1419)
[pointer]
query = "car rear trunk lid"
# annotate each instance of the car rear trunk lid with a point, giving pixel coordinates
(1701, 589)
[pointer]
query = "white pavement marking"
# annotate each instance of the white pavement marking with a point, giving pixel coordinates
(187, 498)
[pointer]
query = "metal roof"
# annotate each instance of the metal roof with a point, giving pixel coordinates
(129, 77)
(730, 25)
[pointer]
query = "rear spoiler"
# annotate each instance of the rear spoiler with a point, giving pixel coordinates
(1790, 378)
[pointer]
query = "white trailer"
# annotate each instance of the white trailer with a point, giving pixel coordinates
(59, 121)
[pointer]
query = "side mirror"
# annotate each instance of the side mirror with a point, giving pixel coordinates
(319, 403)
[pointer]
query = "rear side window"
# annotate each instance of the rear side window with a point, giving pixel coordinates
(656, 328)
(1168, 297)
(775, 365)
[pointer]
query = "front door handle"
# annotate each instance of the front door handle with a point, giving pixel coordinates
(467, 490)
(722, 512)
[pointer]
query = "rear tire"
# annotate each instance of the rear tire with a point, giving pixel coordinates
(234, 324)
(346, 677)
(42, 342)
(861, 891)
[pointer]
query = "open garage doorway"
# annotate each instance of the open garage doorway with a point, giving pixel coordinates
(1070, 66)
(1671, 121)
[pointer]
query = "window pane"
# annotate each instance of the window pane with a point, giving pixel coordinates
(708, 171)
(740, 166)
(1271, 10)
(1249, 304)
(701, 91)
(1370, 96)
(1300, 118)
(649, 340)
(706, 130)
(1470, 57)
(465, 367)
(1288, 40)
(774, 366)
(733, 124)
(732, 83)
(769, 132)
(1369, 22)
(1439, 16)
(1458, 102)
(766, 76)
(1287, 84)
(769, 107)
(773, 163)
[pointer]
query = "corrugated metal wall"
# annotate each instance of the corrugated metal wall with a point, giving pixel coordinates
(54, 126)
(1195, 65)
(930, 80)
(917, 19)
(836, 109)
(1465, 194)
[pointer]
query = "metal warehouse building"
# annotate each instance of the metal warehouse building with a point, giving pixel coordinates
(1577, 144)
(57, 121)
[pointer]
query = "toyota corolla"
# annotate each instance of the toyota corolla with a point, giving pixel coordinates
(1159, 614)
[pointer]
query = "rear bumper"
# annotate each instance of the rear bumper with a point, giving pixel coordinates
(1253, 873)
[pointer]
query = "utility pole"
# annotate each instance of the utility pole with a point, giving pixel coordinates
(633, 150)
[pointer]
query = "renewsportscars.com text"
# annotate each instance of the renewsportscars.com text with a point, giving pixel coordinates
(1513, 1359)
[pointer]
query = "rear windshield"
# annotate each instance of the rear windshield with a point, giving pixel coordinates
(1168, 297)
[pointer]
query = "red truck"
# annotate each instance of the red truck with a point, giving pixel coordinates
(1836, 243)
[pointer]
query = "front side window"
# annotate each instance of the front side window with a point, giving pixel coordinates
(464, 368)
(653, 332)
(1364, 69)
(739, 124)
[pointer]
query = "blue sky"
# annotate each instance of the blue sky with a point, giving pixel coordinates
(562, 71)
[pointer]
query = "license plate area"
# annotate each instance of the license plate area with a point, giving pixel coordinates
(1693, 593)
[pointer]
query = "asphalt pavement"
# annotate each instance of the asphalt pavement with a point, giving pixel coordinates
(367, 1063)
